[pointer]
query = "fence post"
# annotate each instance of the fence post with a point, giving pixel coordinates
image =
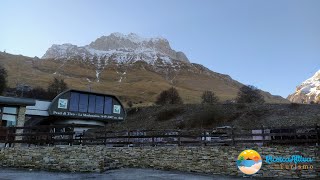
(179, 138)
(232, 135)
(105, 137)
(152, 140)
(318, 134)
(128, 139)
(262, 133)
(82, 141)
(71, 136)
(204, 138)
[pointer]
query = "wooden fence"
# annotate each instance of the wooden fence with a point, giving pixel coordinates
(66, 135)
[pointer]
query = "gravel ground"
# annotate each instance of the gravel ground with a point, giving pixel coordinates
(119, 174)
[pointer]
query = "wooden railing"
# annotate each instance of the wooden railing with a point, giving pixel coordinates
(66, 135)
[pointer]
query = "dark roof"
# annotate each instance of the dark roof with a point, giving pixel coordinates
(17, 101)
(89, 92)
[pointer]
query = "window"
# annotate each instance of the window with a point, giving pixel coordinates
(92, 103)
(99, 104)
(83, 103)
(10, 110)
(107, 105)
(8, 115)
(74, 102)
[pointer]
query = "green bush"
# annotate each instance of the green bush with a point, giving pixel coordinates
(294, 105)
(241, 106)
(167, 114)
(207, 118)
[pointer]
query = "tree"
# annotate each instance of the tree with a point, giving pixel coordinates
(38, 93)
(130, 104)
(208, 97)
(249, 94)
(56, 86)
(170, 96)
(3, 79)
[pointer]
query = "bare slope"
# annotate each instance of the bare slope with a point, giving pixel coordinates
(210, 116)
(137, 81)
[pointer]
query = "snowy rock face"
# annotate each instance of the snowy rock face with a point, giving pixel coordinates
(120, 48)
(308, 91)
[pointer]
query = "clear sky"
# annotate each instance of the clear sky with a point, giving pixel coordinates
(271, 44)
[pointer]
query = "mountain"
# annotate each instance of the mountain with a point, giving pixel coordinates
(308, 91)
(134, 68)
(122, 48)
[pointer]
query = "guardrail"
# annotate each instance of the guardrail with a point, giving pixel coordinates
(65, 134)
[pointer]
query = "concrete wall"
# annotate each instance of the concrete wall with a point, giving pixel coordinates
(211, 160)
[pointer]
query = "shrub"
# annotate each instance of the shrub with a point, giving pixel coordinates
(132, 111)
(38, 93)
(167, 114)
(56, 87)
(241, 106)
(294, 105)
(208, 97)
(3, 79)
(130, 104)
(170, 96)
(207, 118)
(250, 94)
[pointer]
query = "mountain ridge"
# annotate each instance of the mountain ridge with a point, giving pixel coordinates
(129, 47)
(135, 73)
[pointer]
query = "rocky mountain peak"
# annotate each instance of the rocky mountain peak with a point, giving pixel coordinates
(121, 48)
(308, 91)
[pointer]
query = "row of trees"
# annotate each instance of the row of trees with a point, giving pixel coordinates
(246, 94)
(3, 79)
(55, 87)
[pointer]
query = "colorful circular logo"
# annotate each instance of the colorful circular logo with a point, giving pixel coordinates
(249, 161)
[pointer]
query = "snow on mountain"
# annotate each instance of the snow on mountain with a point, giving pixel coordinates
(308, 91)
(120, 48)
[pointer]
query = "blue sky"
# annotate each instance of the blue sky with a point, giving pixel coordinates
(272, 44)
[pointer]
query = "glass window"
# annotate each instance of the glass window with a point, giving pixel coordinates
(99, 104)
(83, 103)
(92, 103)
(9, 117)
(74, 102)
(10, 110)
(11, 123)
(107, 105)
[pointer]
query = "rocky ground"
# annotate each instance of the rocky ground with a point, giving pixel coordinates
(209, 116)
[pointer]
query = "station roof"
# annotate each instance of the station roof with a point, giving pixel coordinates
(17, 101)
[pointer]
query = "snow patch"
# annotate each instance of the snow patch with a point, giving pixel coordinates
(97, 75)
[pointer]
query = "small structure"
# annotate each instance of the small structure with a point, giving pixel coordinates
(77, 107)
(12, 110)
(12, 113)
(70, 107)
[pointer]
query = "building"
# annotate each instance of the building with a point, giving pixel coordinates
(69, 107)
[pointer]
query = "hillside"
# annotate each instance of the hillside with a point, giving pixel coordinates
(209, 116)
(129, 66)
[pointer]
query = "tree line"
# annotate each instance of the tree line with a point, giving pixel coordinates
(55, 87)
(246, 94)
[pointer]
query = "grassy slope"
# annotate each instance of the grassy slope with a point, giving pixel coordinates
(140, 84)
(210, 116)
